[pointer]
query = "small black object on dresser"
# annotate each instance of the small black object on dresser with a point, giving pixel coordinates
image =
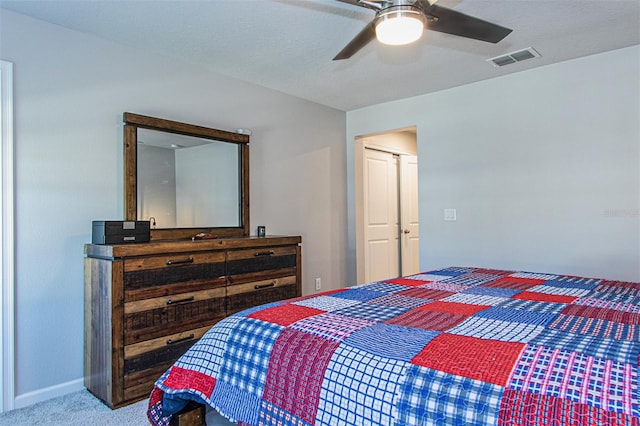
(120, 231)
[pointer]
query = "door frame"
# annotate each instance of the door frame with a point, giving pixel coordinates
(7, 246)
(360, 144)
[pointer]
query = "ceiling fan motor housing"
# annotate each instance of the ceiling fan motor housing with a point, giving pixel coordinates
(401, 24)
(400, 11)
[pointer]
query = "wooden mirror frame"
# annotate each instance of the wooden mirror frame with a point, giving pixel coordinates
(132, 122)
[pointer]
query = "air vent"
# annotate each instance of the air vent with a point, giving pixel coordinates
(513, 57)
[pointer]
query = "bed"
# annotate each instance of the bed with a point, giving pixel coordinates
(453, 346)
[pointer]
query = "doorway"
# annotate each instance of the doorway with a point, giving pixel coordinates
(387, 228)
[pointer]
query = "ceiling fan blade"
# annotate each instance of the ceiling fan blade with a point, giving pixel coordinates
(451, 22)
(357, 3)
(367, 34)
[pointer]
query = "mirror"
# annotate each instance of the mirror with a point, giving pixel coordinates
(187, 182)
(185, 178)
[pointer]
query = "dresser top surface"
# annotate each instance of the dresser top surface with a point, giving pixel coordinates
(176, 246)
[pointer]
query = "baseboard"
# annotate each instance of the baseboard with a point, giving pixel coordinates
(40, 395)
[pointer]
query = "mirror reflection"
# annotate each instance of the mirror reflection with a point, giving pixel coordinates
(186, 182)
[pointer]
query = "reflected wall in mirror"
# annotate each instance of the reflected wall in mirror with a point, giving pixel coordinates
(185, 178)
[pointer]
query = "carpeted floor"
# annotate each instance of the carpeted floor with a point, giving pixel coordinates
(82, 409)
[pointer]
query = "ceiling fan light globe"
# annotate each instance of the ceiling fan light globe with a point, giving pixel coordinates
(399, 27)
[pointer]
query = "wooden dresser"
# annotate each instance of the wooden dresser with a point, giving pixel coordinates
(146, 304)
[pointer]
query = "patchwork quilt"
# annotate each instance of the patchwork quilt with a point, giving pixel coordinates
(457, 346)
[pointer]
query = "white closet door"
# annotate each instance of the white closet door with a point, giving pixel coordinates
(381, 240)
(409, 222)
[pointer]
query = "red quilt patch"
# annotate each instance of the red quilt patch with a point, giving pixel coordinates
(296, 368)
(407, 282)
(480, 359)
(454, 307)
(181, 378)
(285, 315)
(427, 320)
(156, 396)
(603, 314)
(544, 297)
(514, 283)
(426, 293)
(525, 408)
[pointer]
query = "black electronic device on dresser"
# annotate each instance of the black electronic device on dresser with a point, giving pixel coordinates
(120, 231)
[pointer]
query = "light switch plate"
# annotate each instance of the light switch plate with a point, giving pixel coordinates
(450, 214)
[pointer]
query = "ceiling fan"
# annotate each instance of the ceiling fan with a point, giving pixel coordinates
(402, 21)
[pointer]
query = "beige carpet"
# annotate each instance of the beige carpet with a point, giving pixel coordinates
(83, 409)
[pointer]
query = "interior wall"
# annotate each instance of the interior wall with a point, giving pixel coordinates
(70, 92)
(157, 185)
(543, 167)
(210, 169)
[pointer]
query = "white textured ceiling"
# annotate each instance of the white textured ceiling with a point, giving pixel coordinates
(288, 45)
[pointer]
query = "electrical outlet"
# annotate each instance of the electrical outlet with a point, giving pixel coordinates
(318, 284)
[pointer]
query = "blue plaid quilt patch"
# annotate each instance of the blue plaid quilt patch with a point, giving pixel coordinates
(446, 399)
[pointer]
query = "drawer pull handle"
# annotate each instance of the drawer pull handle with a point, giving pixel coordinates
(185, 300)
(260, 287)
(179, 262)
(184, 339)
(265, 253)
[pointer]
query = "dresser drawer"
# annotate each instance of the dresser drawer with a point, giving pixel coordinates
(172, 260)
(144, 362)
(246, 295)
(261, 259)
(133, 353)
(165, 275)
(153, 318)
(261, 275)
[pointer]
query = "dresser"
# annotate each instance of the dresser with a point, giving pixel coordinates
(146, 304)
